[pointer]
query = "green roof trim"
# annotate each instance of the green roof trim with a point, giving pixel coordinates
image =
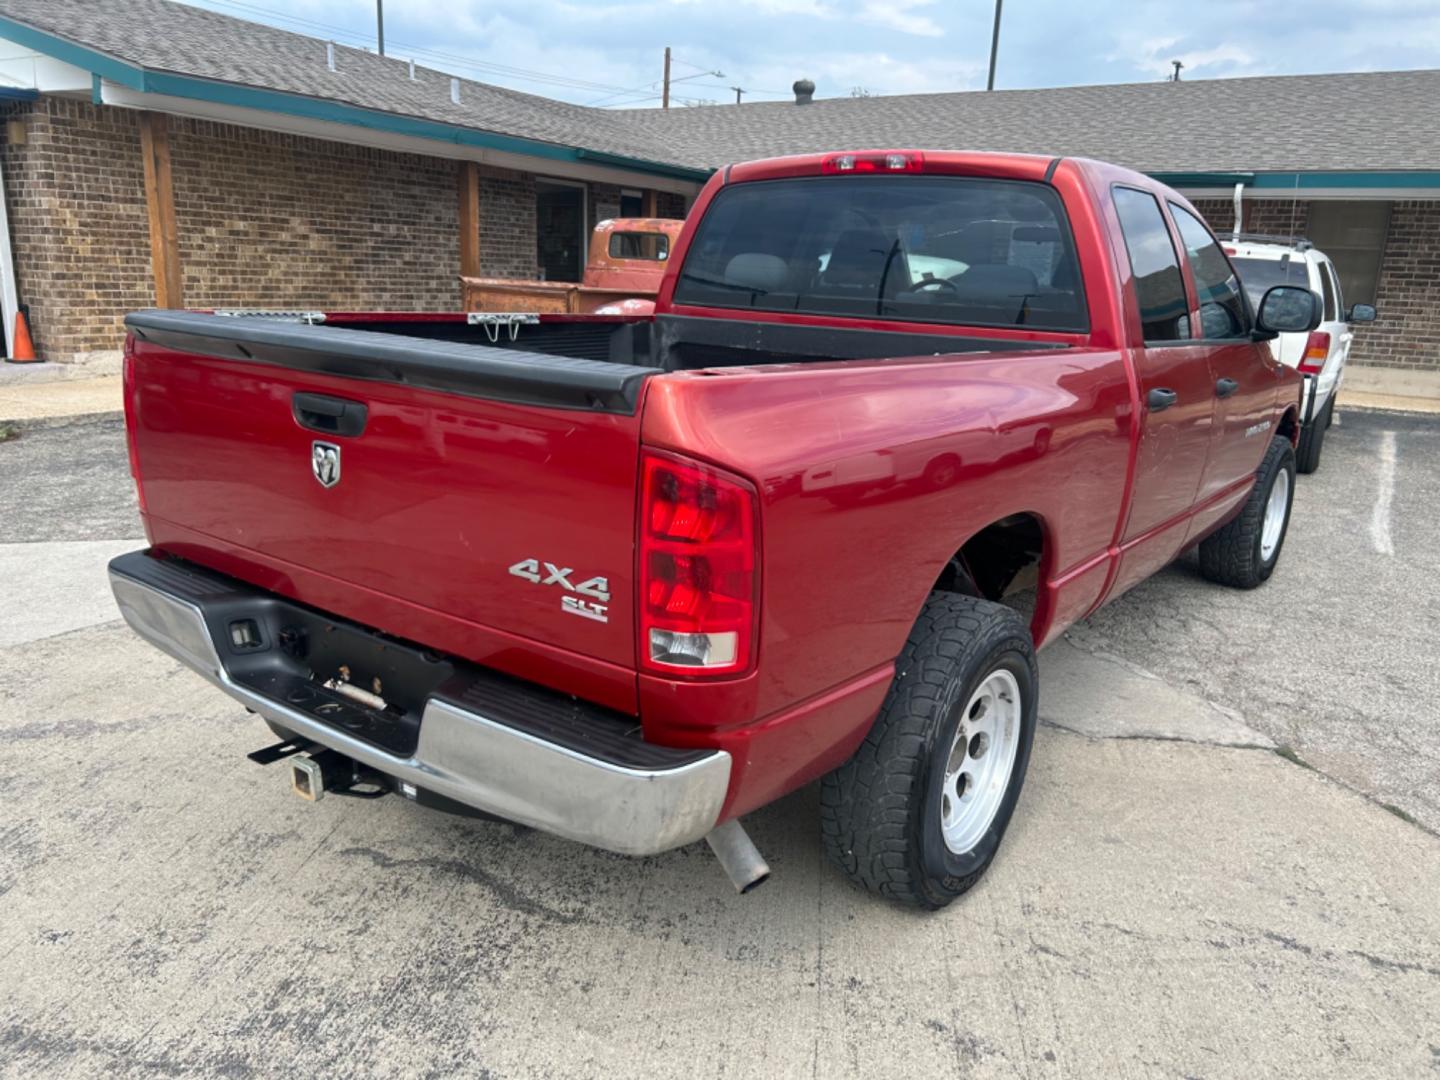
(685, 172)
(107, 67)
(1203, 179)
(1302, 181)
(312, 108)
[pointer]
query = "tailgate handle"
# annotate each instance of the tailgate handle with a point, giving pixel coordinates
(331, 415)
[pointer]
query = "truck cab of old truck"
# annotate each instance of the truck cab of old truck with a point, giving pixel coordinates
(898, 420)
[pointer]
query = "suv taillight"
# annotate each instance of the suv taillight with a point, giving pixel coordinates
(1317, 351)
(699, 568)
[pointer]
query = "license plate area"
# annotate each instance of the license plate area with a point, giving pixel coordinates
(347, 677)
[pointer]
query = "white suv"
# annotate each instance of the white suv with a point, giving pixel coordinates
(1264, 261)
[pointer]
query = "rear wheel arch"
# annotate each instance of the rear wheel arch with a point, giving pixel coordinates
(1002, 561)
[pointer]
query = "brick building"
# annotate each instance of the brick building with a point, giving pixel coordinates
(158, 154)
(161, 155)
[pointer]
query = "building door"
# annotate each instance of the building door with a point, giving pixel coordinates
(560, 229)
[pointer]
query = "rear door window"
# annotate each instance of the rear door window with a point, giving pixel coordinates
(1159, 288)
(1222, 308)
(1327, 290)
(930, 249)
(1330, 273)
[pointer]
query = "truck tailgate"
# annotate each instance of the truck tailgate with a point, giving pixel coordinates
(514, 516)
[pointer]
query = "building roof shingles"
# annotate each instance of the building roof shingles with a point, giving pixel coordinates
(1380, 121)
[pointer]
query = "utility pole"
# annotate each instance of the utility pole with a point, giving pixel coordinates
(994, 45)
(738, 92)
(665, 88)
(1178, 65)
(380, 24)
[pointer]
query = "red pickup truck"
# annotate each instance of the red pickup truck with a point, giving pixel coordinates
(898, 420)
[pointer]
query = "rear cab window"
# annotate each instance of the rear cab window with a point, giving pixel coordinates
(639, 245)
(929, 249)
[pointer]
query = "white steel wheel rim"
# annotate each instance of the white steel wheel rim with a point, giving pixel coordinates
(981, 759)
(1274, 523)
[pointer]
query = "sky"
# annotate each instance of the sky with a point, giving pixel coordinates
(610, 52)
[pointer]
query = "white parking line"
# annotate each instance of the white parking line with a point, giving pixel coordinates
(1380, 519)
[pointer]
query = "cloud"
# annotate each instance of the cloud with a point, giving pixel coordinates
(898, 15)
(887, 46)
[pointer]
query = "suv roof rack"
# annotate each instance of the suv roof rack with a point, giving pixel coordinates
(1299, 243)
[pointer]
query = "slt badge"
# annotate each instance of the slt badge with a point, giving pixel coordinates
(598, 588)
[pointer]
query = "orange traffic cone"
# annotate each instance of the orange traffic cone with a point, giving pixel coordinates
(24, 350)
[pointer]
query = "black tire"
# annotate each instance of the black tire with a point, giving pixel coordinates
(1312, 440)
(1231, 555)
(880, 811)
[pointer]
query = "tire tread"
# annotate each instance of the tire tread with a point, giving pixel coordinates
(867, 805)
(1231, 554)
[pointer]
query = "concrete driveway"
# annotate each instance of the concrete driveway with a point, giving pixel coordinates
(1175, 898)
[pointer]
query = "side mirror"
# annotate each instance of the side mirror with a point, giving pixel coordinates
(1288, 309)
(1361, 313)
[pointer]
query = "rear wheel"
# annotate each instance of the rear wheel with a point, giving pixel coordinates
(1243, 553)
(918, 813)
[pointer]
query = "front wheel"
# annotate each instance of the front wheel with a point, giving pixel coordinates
(1243, 553)
(918, 813)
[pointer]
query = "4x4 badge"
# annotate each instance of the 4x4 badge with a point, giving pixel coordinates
(325, 463)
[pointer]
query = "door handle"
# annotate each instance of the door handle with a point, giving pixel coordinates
(1226, 387)
(328, 415)
(1161, 399)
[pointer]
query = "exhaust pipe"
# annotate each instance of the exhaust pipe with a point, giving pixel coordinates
(738, 855)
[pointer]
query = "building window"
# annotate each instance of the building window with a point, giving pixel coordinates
(632, 203)
(1353, 235)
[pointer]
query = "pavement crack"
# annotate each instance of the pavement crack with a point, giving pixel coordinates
(507, 894)
(1142, 737)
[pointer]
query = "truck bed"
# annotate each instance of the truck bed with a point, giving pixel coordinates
(481, 453)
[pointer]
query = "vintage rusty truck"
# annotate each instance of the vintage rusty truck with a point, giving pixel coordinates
(627, 262)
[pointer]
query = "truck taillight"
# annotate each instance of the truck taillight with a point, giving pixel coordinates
(699, 569)
(874, 161)
(127, 389)
(1317, 351)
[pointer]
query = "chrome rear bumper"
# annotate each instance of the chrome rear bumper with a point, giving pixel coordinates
(637, 803)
